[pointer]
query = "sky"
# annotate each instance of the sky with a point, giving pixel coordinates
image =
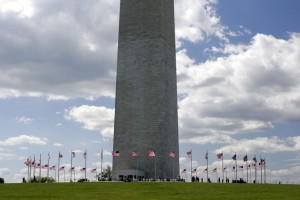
(238, 84)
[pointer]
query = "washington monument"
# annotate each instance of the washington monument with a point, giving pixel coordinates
(146, 121)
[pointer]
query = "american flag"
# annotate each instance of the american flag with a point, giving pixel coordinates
(215, 170)
(152, 153)
(61, 168)
(71, 169)
(224, 169)
(249, 166)
(189, 153)
(245, 158)
(220, 155)
(37, 165)
(52, 168)
(194, 171)
(44, 166)
(82, 169)
(134, 154)
(85, 155)
(116, 153)
(172, 154)
(73, 154)
(60, 155)
(241, 167)
(206, 155)
(234, 157)
(183, 171)
(205, 170)
(233, 168)
(27, 162)
(254, 159)
(93, 170)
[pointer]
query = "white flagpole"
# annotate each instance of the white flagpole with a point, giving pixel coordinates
(85, 163)
(222, 168)
(101, 165)
(58, 166)
(40, 173)
(191, 164)
(71, 166)
(48, 166)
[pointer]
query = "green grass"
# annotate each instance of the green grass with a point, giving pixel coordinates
(148, 190)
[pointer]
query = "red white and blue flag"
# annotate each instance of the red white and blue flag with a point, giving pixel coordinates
(189, 153)
(134, 154)
(152, 153)
(172, 154)
(220, 155)
(116, 153)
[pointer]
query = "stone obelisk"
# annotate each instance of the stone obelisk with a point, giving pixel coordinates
(146, 116)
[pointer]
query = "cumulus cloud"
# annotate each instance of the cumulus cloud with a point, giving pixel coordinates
(58, 49)
(68, 49)
(23, 139)
(245, 91)
(263, 144)
(196, 20)
(93, 118)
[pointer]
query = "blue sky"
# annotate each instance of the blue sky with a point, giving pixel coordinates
(238, 85)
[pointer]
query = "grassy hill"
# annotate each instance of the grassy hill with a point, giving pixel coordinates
(148, 190)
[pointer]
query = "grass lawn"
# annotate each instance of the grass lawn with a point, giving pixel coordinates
(148, 190)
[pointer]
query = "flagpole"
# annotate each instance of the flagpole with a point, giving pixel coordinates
(155, 168)
(40, 174)
(265, 171)
(260, 171)
(255, 169)
(27, 164)
(235, 167)
(48, 166)
(34, 166)
(85, 164)
(71, 166)
(207, 165)
(64, 174)
(30, 167)
(173, 167)
(191, 164)
(101, 164)
(222, 168)
(250, 174)
(247, 169)
(58, 166)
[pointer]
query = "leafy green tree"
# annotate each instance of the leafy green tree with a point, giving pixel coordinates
(106, 174)
(1, 180)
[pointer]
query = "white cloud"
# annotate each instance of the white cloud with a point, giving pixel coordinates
(23, 139)
(263, 145)
(22, 8)
(24, 120)
(93, 118)
(246, 91)
(196, 20)
(59, 65)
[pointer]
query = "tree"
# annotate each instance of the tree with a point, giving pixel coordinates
(1, 180)
(106, 174)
